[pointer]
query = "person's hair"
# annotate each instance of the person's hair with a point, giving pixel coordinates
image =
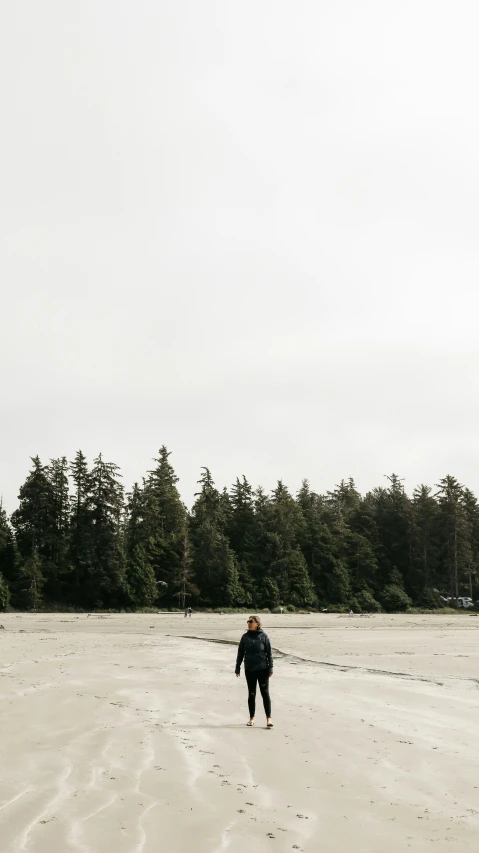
(257, 620)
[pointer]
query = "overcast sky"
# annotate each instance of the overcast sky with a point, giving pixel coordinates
(248, 231)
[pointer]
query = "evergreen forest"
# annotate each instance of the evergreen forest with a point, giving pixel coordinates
(78, 541)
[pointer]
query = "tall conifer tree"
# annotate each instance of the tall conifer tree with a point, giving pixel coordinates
(105, 583)
(164, 522)
(8, 560)
(8, 555)
(317, 540)
(424, 533)
(454, 536)
(241, 530)
(288, 565)
(140, 575)
(57, 473)
(213, 560)
(81, 529)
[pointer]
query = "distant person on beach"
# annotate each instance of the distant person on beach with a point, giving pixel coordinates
(255, 648)
(186, 612)
(281, 610)
(189, 611)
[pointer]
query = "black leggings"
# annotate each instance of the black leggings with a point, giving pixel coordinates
(262, 677)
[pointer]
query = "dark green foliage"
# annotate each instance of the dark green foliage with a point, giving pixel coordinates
(140, 578)
(4, 594)
(58, 566)
(394, 599)
(105, 582)
(164, 522)
(359, 557)
(291, 577)
(316, 538)
(84, 546)
(454, 535)
(286, 528)
(81, 529)
(424, 540)
(393, 524)
(8, 552)
(213, 559)
(269, 593)
(393, 596)
(34, 581)
(344, 500)
(140, 575)
(367, 603)
(471, 569)
(337, 586)
(242, 532)
(10, 580)
(429, 599)
(184, 588)
(34, 521)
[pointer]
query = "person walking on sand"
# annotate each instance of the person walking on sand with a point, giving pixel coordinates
(255, 649)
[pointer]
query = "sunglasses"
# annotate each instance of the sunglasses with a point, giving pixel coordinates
(248, 621)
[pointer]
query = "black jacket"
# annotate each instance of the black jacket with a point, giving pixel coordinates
(255, 648)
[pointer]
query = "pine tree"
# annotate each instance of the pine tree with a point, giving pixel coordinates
(213, 560)
(34, 581)
(59, 543)
(34, 520)
(393, 596)
(140, 578)
(105, 583)
(424, 520)
(359, 560)
(288, 566)
(4, 594)
(9, 564)
(344, 500)
(393, 530)
(454, 536)
(164, 523)
(471, 509)
(263, 550)
(337, 585)
(140, 575)
(291, 574)
(8, 555)
(241, 531)
(81, 529)
(183, 581)
(317, 540)
(34, 526)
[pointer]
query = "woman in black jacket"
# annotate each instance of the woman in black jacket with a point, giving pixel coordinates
(255, 648)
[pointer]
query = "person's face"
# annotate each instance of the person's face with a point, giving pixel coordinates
(252, 625)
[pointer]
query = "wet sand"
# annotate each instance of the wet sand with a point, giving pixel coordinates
(127, 733)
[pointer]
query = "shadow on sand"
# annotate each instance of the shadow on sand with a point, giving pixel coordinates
(219, 726)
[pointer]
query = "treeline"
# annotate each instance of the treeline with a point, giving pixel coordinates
(77, 541)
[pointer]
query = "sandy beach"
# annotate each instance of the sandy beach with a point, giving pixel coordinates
(127, 733)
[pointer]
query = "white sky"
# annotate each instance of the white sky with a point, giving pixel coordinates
(245, 230)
